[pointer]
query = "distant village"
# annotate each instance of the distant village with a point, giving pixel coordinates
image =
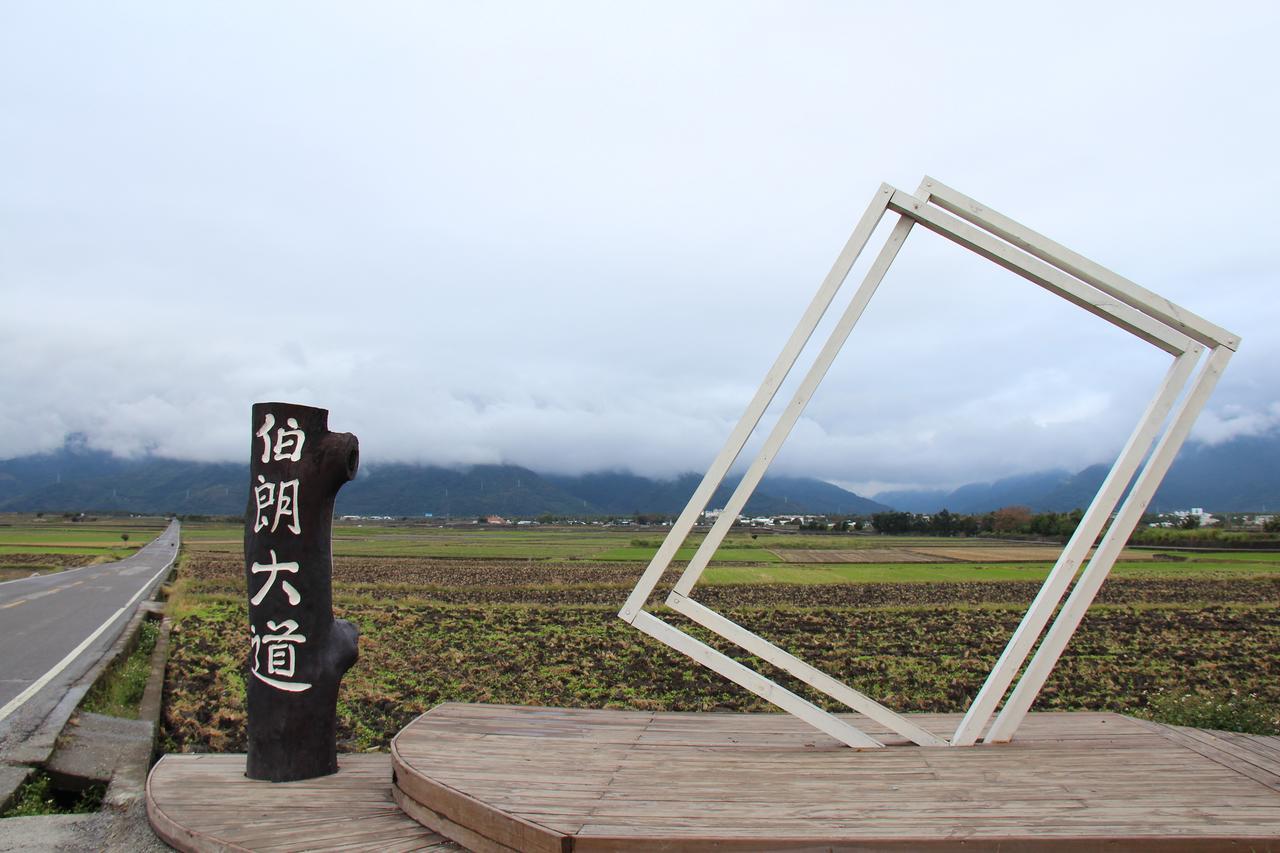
(1014, 519)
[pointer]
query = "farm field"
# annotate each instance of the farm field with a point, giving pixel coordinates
(36, 544)
(499, 543)
(537, 624)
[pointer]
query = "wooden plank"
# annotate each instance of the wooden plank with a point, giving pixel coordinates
(602, 842)
(1267, 749)
(464, 835)
(1219, 750)
(753, 781)
(205, 803)
(458, 807)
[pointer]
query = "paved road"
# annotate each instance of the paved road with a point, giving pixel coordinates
(54, 627)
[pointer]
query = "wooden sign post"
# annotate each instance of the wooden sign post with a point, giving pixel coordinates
(298, 651)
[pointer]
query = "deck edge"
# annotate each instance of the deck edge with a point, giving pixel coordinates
(462, 810)
(175, 834)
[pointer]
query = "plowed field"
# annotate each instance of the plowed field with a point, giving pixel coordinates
(546, 632)
(413, 656)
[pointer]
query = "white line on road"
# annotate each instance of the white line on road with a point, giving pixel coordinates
(17, 701)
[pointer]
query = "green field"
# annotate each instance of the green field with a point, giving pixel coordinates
(481, 542)
(35, 535)
(30, 543)
(740, 560)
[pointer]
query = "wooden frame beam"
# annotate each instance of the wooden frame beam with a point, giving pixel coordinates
(1075, 264)
(1082, 595)
(756, 408)
(1117, 300)
(1076, 551)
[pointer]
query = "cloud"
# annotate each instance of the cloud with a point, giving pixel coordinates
(576, 237)
(1215, 427)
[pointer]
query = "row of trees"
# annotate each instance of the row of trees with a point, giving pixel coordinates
(1006, 520)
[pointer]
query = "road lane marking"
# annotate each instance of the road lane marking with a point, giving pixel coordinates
(16, 702)
(13, 604)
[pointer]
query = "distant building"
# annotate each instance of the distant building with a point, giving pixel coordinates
(1197, 512)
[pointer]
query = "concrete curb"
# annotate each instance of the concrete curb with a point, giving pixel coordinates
(129, 782)
(96, 748)
(12, 778)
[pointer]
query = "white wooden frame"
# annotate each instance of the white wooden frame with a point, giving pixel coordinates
(1180, 333)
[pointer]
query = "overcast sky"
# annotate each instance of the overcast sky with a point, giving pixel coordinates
(575, 236)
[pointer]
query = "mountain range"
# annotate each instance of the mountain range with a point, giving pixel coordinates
(76, 478)
(1239, 475)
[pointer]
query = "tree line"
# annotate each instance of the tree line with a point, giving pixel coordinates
(1006, 520)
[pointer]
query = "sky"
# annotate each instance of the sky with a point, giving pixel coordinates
(574, 236)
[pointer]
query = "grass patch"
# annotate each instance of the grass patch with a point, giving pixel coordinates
(112, 553)
(1229, 711)
(38, 796)
(118, 692)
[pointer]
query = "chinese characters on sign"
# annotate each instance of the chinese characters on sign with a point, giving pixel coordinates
(276, 502)
(280, 654)
(288, 443)
(296, 652)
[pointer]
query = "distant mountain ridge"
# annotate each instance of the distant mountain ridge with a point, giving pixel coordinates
(1239, 475)
(78, 479)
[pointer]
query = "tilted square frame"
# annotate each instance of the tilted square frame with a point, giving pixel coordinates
(1180, 333)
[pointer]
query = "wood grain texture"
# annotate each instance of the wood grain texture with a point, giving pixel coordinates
(205, 803)
(298, 652)
(587, 780)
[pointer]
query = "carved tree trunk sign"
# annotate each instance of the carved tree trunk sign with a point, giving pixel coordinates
(298, 651)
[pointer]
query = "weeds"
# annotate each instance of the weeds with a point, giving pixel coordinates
(119, 691)
(38, 796)
(1225, 711)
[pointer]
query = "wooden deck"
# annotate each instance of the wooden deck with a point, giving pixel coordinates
(548, 779)
(205, 803)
